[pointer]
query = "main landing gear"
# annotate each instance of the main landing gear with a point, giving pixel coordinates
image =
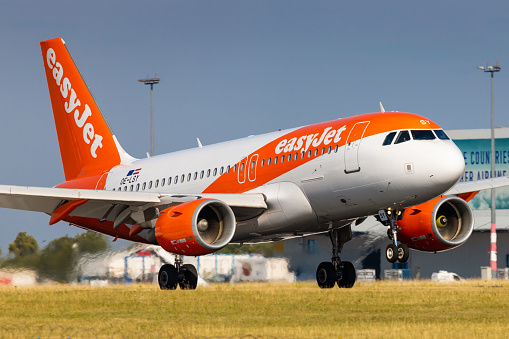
(183, 275)
(395, 251)
(342, 272)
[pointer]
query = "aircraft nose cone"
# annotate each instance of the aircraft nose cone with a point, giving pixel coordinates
(449, 166)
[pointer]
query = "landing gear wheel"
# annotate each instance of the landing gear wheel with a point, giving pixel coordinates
(348, 275)
(403, 252)
(168, 277)
(190, 277)
(391, 253)
(326, 275)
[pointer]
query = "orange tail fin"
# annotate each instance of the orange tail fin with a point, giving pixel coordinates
(86, 144)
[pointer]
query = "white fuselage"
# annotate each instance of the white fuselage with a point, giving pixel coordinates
(322, 187)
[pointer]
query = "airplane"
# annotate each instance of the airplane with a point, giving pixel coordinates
(399, 167)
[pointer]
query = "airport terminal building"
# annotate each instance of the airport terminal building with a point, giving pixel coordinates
(367, 248)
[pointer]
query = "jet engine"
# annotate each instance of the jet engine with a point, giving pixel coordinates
(197, 227)
(437, 225)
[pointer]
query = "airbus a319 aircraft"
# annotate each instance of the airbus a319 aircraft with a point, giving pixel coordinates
(313, 179)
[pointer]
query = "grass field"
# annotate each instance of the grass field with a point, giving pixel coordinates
(474, 309)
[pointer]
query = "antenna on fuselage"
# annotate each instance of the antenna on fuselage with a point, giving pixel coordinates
(199, 142)
(382, 109)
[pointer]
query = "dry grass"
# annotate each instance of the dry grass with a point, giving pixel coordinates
(384, 309)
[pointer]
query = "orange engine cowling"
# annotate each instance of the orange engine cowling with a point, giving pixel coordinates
(197, 227)
(437, 225)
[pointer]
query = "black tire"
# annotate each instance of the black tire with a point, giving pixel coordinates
(403, 252)
(168, 277)
(391, 253)
(190, 277)
(326, 275)
(348, 275)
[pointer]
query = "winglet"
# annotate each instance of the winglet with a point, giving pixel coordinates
(87, 146)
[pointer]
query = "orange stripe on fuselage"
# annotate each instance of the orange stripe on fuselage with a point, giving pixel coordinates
(317, 136)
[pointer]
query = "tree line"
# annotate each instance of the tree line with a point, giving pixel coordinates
(57, 260)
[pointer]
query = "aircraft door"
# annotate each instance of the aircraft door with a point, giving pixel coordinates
(252, 167)
(242, 171)
(353, 143)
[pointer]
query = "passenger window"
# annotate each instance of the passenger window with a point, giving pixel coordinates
(323, 150)
(336, 149)
(162, 182)
(263, 163)
(296, 155)
(169, 181)
(176, 179)
(423, 134)
(195, 175)
(221, 171)
(252, 164)
(182, 178)
(275, 161)
(137, 187)
(282, 158)
(268, 161)
(208, 173)
(289, 158)
(157, 183)
(241, 167)
(234, 168)
(309, 154)
(402, 137)
(441, 135)
(389, 138)
(316, 152)
(188, 176)
(131, 188)
(144, 186)
(202, 173)
(215, 171)
(330, 150)
(228, 169)
(114, 189)
(150, 185)
(302, 154)
(125, 188)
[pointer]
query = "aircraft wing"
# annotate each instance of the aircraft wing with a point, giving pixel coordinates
(479, 185)
(100, 204)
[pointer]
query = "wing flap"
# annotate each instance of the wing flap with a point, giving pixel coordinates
(98, 204)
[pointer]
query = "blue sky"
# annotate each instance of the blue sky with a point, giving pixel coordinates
(229, 69)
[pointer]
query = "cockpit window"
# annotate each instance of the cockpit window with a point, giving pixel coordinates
(402, 137)
(423, 134)
(441, 134)
(389, 138)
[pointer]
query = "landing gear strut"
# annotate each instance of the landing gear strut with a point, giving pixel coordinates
(342, 272)
(183, 275)
(397, 251)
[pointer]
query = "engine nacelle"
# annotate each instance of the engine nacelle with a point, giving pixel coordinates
(197, 227)
(437, 225)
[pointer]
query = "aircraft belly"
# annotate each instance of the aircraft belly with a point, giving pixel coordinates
(288, 211)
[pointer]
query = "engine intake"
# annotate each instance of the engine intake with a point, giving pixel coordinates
(197, 227)
(437, 225)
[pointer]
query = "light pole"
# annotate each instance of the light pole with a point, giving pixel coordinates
(493, 251)
(151, 82)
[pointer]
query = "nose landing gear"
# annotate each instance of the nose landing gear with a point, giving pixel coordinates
(396, 251)
(183, 275)
(342, 272)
